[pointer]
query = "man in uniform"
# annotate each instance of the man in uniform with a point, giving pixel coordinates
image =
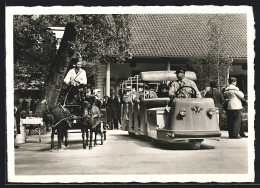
(76, 79)
(182, 81)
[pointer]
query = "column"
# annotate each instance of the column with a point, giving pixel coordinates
(108, 79)
(168, 65)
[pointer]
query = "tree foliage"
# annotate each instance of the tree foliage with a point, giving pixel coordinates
(99, 37)
(216, 63)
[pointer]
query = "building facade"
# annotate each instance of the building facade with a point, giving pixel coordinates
(167, 41)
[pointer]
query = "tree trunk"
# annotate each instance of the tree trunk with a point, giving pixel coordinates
(58, 69)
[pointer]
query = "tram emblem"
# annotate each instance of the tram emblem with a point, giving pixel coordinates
(196, 110)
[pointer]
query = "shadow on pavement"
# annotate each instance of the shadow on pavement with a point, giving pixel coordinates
(182, 146)
(145, 141)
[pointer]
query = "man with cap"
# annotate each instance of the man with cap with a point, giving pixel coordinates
(76, 79)
(114, 106)
(182, 81)
(218, 98)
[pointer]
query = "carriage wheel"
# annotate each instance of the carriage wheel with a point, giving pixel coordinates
(195, 143)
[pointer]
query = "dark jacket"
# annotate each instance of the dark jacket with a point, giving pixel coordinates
(218, 100)
(217, 97)
(114, 107)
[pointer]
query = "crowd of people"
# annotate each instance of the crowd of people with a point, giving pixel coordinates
(78, 89)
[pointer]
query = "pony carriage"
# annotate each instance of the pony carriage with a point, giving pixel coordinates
(80, 114)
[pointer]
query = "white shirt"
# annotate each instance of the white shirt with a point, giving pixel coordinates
(234, 97)
(74, 78)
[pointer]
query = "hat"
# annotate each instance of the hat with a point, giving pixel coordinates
(213, 84)
(180, 70)
(128, 88)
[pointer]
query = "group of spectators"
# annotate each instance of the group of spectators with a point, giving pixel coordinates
(230, 100)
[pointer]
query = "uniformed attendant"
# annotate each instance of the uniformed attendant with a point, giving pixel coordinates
(182, 81)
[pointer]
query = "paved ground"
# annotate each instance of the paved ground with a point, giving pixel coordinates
(122, 154)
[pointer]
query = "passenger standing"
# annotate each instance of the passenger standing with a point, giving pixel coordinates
(23, 114)
(17, 112)
(114, 109)
(33, 105)
(234, 117)
(218, 99)
(24, 105)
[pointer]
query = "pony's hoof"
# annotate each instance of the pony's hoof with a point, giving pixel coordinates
(84, 147)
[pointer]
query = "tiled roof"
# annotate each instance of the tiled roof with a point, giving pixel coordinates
(182, 35)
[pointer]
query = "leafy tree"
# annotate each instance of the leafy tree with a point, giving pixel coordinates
(216, 63)
(96, 37)
(34, 47)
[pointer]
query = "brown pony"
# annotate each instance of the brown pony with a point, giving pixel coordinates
(91, 121)
(58, 118)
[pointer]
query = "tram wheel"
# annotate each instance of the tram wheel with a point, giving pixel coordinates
(195, 143)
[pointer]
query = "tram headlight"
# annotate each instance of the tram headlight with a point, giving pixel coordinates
(217, 110)
(211, 112)
(182, 112)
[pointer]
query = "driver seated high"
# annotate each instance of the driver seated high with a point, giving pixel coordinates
(76, 80)
(181, 82)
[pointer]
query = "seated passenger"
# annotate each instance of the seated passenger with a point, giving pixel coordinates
(163, 91)
(150, 93)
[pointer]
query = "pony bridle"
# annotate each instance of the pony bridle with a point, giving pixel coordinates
(62, 107)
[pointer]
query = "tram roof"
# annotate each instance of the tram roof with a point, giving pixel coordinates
(165, 75)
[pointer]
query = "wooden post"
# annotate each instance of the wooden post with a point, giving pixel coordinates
(108, 79)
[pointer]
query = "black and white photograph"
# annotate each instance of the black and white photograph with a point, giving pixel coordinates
(130, 94)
